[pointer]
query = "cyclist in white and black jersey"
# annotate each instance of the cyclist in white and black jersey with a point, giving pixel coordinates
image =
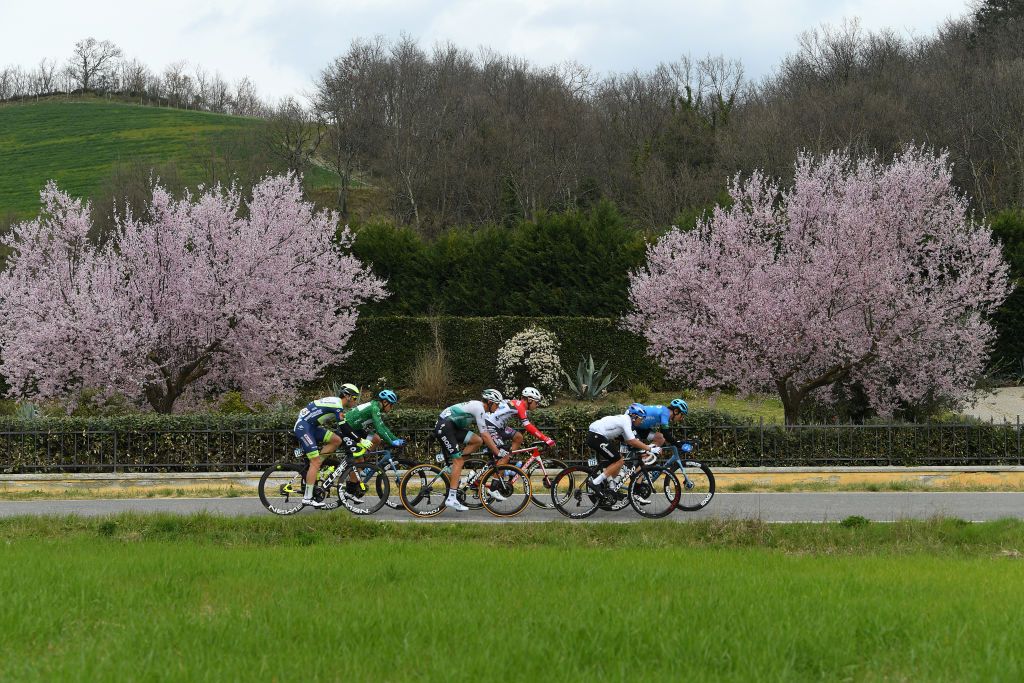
(454, 430)
(608, 429)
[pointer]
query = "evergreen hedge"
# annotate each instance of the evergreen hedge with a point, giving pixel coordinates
(218, 442)
(389, 347)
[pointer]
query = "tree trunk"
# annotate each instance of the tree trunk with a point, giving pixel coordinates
(792, 398)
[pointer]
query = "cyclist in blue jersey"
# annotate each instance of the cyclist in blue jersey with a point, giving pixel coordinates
(658, 420)
(316, 439)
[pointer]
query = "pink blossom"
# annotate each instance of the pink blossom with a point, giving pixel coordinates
(861, 272)
(198, 296)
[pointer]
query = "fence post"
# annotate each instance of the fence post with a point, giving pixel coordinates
(888, 455)
(115, 452)
(1018, 439)
(760, 450)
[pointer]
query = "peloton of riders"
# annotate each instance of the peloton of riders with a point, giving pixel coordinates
(326, 424)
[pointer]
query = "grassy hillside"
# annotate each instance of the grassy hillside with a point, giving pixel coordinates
(79, 142)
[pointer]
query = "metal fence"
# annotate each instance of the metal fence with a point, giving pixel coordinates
(758, 444)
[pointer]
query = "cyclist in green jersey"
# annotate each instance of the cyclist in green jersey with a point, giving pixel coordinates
(454, 431)
(365, 419)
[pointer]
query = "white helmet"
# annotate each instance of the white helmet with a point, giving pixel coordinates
(530, 392)
(492, 395)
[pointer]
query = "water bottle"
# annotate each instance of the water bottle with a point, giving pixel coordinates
(519, 463)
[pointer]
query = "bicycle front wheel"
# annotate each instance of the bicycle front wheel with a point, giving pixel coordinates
(571, 496)
(653, 492)
(363, 488)
(280, 488)
(505, 490)
(542, 479)
(423, 490)
(698, 486)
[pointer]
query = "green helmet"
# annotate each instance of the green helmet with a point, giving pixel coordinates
(349, 390)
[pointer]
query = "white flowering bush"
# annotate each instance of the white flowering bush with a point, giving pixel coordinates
(530, 358)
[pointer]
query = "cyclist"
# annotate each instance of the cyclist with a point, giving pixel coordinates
(453, 430)
(316, 440)
(656, 425)
(507, 438)
(368, 432)
(600, 436)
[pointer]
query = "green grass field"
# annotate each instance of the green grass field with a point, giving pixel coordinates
(78, 142)
(205, 598)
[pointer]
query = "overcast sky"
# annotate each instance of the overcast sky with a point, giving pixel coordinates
(283, 44)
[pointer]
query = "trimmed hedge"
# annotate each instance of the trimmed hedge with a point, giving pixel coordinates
(390, 347)
(212, 442)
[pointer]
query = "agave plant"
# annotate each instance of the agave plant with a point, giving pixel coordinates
(589, 382)
(26, 411)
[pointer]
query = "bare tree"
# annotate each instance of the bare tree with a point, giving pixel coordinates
(91, 60)
(292, 135)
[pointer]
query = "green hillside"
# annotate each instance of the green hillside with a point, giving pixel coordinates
(78, 143)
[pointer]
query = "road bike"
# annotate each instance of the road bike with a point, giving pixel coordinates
(540, 472)
(502, 490)
(651, 490)
(698, 481)
(395, 468)
(281, 486)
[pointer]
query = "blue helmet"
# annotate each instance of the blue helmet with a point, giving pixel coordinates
(680, 405)
(636, 409)
(388, 395)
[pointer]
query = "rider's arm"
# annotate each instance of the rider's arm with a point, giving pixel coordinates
(528, 426)
(382, 429)
(484, 432)
(629, 437)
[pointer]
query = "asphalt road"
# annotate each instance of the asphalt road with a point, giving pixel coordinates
(769, 507)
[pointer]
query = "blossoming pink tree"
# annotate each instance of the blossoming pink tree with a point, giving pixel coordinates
(197, 296)
(860, 272)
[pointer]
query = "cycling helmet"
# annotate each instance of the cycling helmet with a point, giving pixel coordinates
(636, 409)
(388, 395)
(349, 390)
(530, 392)
(492, 395)
(680, 405)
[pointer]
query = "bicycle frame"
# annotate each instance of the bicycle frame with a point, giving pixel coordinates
(676, 462)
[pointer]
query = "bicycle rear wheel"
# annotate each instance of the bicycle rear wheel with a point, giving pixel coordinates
(697, 486)
(505, 490)
(542, 479)
(423, 490)
(570, 495)
(280, 488)
(367, 494)
(468, 492)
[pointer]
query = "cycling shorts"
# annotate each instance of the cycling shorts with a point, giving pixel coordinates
(603, 448)
(311, 437)
(451, 436)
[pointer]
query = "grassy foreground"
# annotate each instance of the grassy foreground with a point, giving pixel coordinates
(210, 598)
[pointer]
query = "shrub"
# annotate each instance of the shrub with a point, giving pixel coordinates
(639, 392)
(432, 376)
(530, 358)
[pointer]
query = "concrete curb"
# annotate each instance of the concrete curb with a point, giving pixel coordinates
(937, 476)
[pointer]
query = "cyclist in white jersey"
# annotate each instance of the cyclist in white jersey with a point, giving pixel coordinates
(608, 429)
(454, 430)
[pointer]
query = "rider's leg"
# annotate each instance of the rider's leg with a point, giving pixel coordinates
(314, 468)
(472, 445)
(517, 441)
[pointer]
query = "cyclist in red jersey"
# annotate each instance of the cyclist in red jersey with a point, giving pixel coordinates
(507, 438)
